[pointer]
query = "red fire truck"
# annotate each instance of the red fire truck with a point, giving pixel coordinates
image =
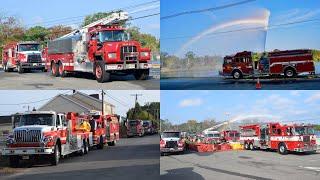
(45, 134)
(288, 63)
(101, 48)
(230, 135)
(275, 136)
(22, 56)
(135, 128)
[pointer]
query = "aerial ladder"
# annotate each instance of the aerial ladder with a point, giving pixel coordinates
(115, 17)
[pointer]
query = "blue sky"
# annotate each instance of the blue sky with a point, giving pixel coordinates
(304, 35)
(180, 106)
(22, 96)
(43, 12)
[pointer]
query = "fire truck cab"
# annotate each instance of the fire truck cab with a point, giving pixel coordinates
(288, 63)
(135, 128)
(44, 134)
(230, 136)
(275, 136)
(22, 56)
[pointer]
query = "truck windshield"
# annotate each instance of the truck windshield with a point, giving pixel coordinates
(109, 36)
(36, 119)
(133, 123)
(213, 135)
(304, 130)
(146, 124)
(29, 47)
(170, 135)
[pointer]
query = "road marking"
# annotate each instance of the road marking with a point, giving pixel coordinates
(311, 168)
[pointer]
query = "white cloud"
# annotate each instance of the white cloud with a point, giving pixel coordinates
(276, 101)
(313, 98)
(191, 102)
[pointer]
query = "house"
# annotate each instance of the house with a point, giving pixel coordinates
(77, 102)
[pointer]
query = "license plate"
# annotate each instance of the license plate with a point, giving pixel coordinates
(131, 66)
(25, 157)
(111, 67)
(34, 64)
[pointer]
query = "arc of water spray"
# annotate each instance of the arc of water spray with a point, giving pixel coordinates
(264, 20)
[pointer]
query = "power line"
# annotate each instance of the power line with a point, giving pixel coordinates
(275, 26)
(207, 9)
(82, 16)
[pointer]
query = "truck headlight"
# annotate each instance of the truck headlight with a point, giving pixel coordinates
(112, 55)
(10, 140)
(144, 54)
(47, 139)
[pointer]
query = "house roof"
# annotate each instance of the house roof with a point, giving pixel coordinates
(80, 99)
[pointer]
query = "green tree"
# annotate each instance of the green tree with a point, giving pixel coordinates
(97, 16)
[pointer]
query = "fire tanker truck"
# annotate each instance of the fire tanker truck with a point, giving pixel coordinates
(135, 128)
(275, 136)
(288, 63)
(22, 56)
(101, 48)
(51, 135)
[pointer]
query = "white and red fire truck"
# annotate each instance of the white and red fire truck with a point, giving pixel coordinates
(288, 63)
(172, 142)
(22, 56)
(135, 128)
(276, 136)
(54, 135)
(101, 48)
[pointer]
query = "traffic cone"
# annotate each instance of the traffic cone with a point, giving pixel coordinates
(258, 84)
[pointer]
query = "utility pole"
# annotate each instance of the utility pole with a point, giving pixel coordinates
(135, 103)
(102, 103)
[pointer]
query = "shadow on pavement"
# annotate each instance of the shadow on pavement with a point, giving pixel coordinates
(141, 172)
(182, 173)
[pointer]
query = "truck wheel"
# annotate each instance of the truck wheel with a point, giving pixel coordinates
(14, 161)
(237, 74)
(85, 147)
(62, 72)
(100, 72)
(251, 147)
(141, 74)
(100, 145)
(113, 143)
(20, 69)
(5, 67)
(55, 156)
(246, 146)
(282, 149)
(54, 69)
(289, 73)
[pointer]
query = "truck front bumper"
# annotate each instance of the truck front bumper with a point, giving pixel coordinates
(129, 66)
(167, 150)
(33, 65)
(27, 151)
(306, 149)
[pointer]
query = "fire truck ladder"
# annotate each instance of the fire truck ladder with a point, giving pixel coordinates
(111, 19)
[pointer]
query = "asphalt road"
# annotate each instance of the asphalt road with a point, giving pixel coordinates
(133, 158)
(240, 165)
(40, 80)
(217, 83)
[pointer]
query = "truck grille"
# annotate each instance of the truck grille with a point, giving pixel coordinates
(129, 53)
(34, 58)
(27, 136)
(171, 144)
(306, 139)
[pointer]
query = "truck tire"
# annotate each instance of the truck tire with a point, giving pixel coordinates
(237, 74)
(14, 161)
(55, 157)
(282, 149)
(100, 145)
(54, 69)
(246, 146)
(141, 74)
(20, 69)
(85, 147)
(251, 147)
(62, 72)
(5, 67)
(112, 143)
(100, 72)
(289, 72)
